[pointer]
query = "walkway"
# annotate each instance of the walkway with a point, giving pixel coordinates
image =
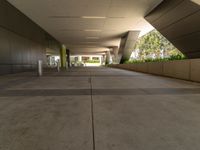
(98, 109)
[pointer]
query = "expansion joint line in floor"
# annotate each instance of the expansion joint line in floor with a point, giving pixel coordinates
(92, 112)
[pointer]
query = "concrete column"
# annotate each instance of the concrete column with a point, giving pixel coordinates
(68, 58)
(63, 56)
(90, 57)
(115, 55)
(128, 44)
(103, 59)
(80, 58)
(58, 66)
(108, 57)
(100, 60)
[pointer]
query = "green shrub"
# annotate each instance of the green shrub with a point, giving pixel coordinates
(93, 61)
(171, 58)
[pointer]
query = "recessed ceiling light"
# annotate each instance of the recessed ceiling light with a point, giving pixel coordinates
(89, 42)
(93, 17)
(92, 37)
(92, 30)
(84, 17)
(63, 17)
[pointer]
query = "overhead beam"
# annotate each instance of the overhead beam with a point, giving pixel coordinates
(179, 22)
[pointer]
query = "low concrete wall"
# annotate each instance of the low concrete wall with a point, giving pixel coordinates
(182, 69)
(155, 68)
(177, 69)
(195, 70)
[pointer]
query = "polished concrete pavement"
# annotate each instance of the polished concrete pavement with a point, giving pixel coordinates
(98, 109)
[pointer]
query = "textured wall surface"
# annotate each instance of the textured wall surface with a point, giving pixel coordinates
(22, 42)
(179, 22)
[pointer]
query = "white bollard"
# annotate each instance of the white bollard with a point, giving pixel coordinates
(39, 68)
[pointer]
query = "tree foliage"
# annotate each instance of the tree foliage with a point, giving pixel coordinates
(155, 46)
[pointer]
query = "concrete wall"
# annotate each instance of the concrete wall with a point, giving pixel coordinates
(155, 68)
(195, 70)
(181, 69)
(22, 42)
(178, 69)
(179, 22)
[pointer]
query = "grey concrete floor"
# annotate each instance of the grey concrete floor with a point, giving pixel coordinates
(98, 109)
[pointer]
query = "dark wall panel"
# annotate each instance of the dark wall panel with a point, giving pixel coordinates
(18, 53)
(4, 47)
(179, 22)
(22, 42)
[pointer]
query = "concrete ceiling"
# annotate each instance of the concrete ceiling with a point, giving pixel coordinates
(88, 25)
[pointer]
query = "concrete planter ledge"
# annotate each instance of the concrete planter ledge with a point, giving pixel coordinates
(188, 69)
